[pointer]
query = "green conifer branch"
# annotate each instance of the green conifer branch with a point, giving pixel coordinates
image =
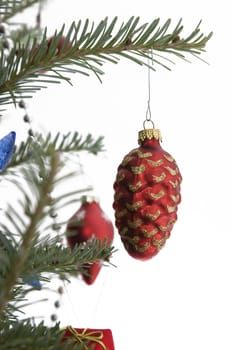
(43, 145)
(27, 254)
(35, 215)
(27, 336)
(47, 257)
(9, 9)
(55, 258)
(86, 47)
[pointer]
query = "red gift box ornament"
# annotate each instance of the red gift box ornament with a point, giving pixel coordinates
(146, 198)
(89, 222)
(94, 339)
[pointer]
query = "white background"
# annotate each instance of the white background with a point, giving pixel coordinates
(182, 298)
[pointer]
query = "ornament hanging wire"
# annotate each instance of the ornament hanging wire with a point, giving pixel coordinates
(148, 111)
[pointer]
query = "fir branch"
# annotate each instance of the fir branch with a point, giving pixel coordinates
(27, 336)
(14, 7)
(54, 258)
(85, 47)
(7, 255)
(71, 142)
(6, 7)
(35, 215)
(29, 254)
(13, 309)
(48, 257)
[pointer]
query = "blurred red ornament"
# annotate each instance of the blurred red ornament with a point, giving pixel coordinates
(147, 194)
(88, 223)
(95, 339)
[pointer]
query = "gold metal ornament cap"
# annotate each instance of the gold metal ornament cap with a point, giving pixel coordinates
(89, 199)
(149, 134)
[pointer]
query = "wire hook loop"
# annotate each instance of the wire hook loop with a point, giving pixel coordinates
(149, 121)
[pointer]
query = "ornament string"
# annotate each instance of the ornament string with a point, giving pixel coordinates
(100, 295)
(73, 308)
(96, 306)
(148, 111)
(93, 336)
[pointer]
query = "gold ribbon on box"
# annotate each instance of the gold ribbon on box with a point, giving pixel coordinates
(92, 336)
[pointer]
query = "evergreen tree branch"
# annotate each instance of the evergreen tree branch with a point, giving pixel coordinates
(11, 8)
(32, 256)
(54, 258)
(86, 47)
(41, 146)
(27, 336)
(6, 6)
(21, 256)
(47, 257)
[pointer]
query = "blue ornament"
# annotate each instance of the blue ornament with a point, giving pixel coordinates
(7, 145)
(33, 283)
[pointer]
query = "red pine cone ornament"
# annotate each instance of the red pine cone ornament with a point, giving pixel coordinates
(147, 194)
(89, 222)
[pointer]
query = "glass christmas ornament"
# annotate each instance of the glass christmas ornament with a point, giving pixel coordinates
(89, 222)
(7, 145)
(146, 198)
